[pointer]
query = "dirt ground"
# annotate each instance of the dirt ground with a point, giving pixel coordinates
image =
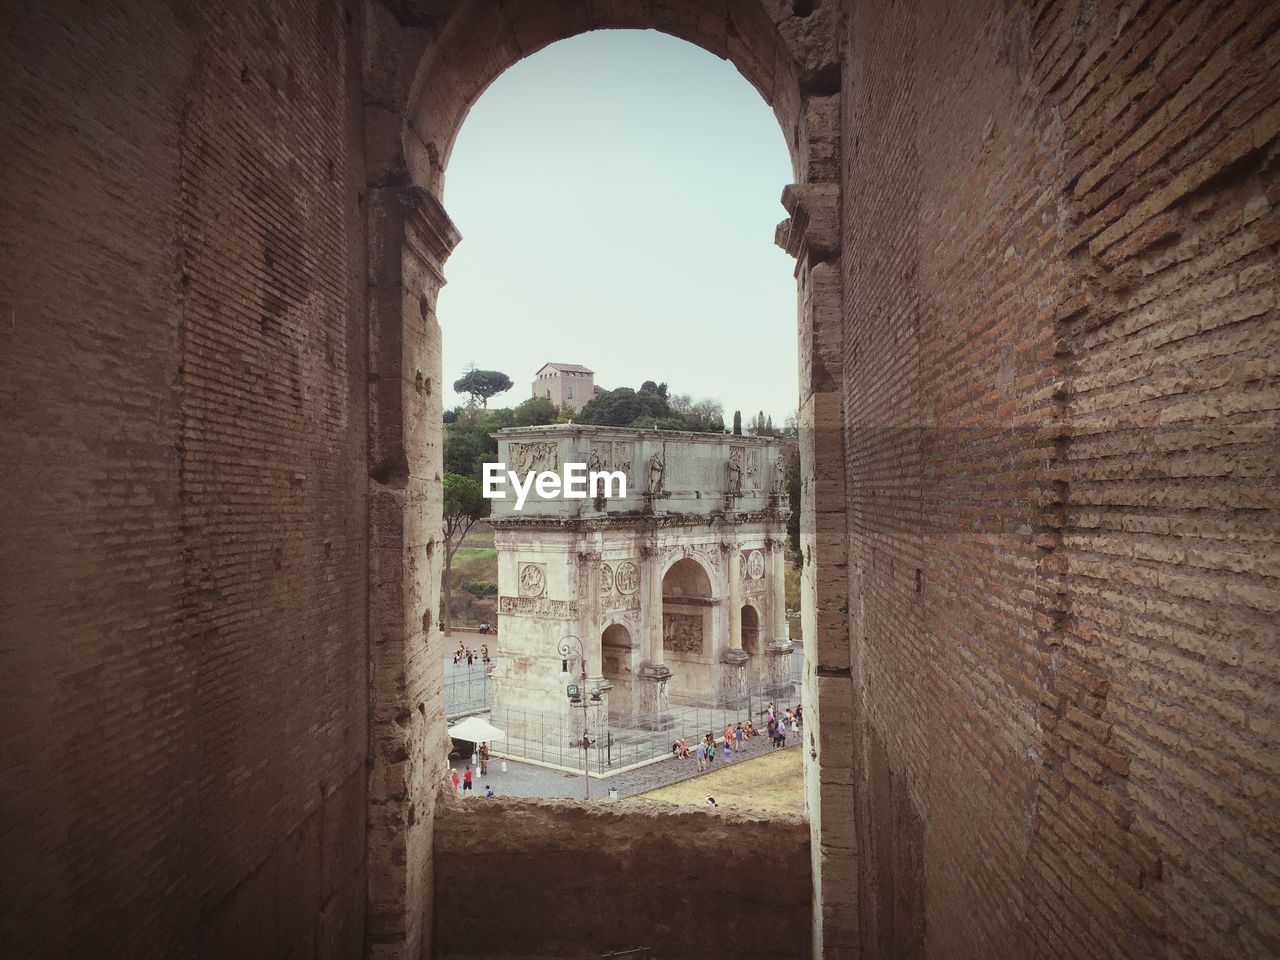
(773, 783)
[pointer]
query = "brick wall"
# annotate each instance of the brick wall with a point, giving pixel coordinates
(1060, 396)
(89, 553)
(561, 879)
(273, 477)
(184, 556)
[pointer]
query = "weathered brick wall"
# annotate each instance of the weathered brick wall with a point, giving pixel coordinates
(524, 878)
(91, 566)
(273, 476)
(1060, 394)
(184, 550)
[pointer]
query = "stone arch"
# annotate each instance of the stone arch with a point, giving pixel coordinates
(424, 66)
(752, 625)
(482, 38)
(692, 578)
(617, 653)
(714, 575)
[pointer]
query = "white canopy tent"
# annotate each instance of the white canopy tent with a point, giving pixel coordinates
(476, 730)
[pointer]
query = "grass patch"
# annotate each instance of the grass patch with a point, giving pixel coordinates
(772, 783)
(475, 563)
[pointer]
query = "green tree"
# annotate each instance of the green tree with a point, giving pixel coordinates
(534, 412)
(650, 386)
(737, 423)
(480, 385)
(793, 494)
(623, 407)
(464, 504)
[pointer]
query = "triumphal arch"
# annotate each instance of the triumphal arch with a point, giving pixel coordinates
(675, 589)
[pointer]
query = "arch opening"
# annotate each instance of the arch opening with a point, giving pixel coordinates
(617, 653)
(465, 51)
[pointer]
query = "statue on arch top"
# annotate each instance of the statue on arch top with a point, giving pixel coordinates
(657, 468)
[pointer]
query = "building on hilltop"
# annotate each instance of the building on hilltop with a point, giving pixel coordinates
(565, 384)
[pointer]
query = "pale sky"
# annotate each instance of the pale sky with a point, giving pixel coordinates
(617, 195)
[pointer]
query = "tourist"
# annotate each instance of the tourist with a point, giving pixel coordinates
(488, 791)
(701, 755)
(453, 776)
(470, 658)
(738, 735)
(728, 749)
(466, 779)
(799, 716)
(484, 758)
(711, 753)
(484, 653)
(749, 729)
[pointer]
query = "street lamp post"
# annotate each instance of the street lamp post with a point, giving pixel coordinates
(578, 696)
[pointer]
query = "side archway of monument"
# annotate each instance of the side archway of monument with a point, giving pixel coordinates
(424, 66)
(618, 665)
(752, 639)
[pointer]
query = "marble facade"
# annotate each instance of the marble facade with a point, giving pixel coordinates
(675, 589)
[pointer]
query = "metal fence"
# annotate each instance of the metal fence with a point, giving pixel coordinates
(467, 690)
(615, 743)
(620, 742)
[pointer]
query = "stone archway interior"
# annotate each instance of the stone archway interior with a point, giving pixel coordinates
(750, 630)
(688, 640)
(616, 650)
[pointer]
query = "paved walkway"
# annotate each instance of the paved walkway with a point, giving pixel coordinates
(528, 780)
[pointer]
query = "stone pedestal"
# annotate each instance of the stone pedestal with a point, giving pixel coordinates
(733, 676)
(655, 710)
(778, 667)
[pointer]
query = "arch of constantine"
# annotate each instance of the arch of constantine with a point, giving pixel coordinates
(675, 589)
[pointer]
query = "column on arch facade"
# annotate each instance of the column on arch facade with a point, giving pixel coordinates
(733, 659)
(653, 672)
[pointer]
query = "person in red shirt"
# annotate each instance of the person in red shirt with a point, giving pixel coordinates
(466, 778)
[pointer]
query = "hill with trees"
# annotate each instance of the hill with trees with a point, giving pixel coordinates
(652, 407)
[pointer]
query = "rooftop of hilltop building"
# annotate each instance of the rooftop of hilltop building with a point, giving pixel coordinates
(565, 368)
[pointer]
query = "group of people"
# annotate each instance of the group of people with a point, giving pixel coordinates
(463, 784)
(470, 656)
(777, 724)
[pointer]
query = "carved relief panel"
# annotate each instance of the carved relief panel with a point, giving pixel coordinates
(535, 456)
(682, 632)
(533, 579)
(627, 578)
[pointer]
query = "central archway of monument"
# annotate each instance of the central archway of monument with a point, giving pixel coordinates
(692, 620)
